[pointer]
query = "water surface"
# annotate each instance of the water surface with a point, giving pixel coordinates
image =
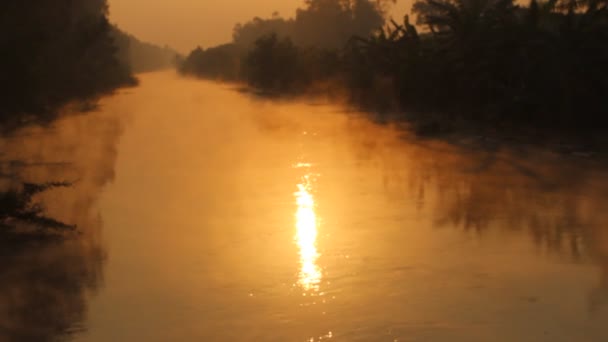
(218, 216)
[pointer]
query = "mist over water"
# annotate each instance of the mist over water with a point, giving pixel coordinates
(46, 284)
(209, 214)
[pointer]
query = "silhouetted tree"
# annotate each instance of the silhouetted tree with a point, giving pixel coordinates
(220, 63)
(490, 62)
(54, 51)
(273, 63)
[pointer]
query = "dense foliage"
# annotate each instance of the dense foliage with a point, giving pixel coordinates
(543, 65)
(220, 62)
(322, 27)
(54, 51)
(321, 23)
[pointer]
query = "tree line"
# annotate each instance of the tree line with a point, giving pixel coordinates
(543, 65)
(57, 51)
(142, 56)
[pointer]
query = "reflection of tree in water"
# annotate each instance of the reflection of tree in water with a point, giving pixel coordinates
(559, 203)
(44, 287)
(45, 282)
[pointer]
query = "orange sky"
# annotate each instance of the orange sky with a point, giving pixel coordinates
(184, 24)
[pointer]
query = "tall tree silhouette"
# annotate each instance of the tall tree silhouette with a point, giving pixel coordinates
(55, 51)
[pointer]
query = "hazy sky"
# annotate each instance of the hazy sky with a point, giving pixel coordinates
(184, 24)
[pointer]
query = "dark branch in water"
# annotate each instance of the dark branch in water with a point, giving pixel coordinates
(18, 209)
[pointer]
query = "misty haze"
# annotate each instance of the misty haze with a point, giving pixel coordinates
(304, 170)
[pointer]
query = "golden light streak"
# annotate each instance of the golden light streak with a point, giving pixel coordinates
(306, 236)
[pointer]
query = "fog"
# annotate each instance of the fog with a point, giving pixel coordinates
(46, 283)
(185, 24)
(324, 173)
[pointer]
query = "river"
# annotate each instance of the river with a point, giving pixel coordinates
(207, 214)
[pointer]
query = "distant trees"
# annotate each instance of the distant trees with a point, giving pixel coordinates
(331, 23)
(321, 23)
(141, 56)
(245, 35)
(219, 63)
(288, 54)
(54, 51)
(273, 63)
(544, 65)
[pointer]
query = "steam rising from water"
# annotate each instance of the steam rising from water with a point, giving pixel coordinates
(229, 234)
(45, 285)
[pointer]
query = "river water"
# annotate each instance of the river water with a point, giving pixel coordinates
(207, 214)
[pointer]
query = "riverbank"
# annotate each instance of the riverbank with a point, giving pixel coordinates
(534, 72)
(460, 132)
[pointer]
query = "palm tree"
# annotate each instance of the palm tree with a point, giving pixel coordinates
(462, 19)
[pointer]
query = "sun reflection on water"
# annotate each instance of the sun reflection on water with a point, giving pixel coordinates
(306, 236)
